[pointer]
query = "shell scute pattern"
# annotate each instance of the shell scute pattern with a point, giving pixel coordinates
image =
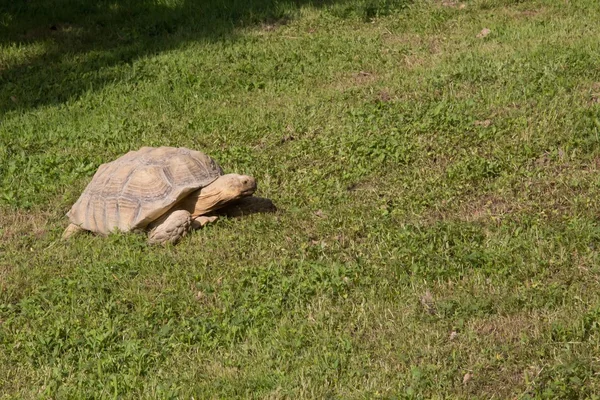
(140, 186)
(112, 180)
(112, 218)
(128, 210)
(147, 184)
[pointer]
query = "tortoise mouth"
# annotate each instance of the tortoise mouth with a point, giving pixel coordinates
(250, 191)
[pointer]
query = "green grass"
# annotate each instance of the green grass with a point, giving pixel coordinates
(438, 230)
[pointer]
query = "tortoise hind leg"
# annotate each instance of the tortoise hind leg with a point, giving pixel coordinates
(170, 228)
(72, 230)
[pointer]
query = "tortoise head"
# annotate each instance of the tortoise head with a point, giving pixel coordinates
(234, 186)
(224, 190)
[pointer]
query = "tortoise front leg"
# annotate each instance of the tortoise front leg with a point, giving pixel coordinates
(170, 228)
(72, 230)
(202, 220)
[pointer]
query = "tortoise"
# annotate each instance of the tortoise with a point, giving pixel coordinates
(165, 191)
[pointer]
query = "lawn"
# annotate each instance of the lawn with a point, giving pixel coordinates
(436, 168)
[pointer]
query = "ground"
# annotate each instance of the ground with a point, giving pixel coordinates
(436, 169)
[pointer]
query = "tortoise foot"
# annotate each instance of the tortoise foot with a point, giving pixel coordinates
(171, 229)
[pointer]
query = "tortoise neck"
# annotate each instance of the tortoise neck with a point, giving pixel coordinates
(225, 189)
(207, 199)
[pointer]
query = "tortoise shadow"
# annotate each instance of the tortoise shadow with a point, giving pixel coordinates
(247, 206)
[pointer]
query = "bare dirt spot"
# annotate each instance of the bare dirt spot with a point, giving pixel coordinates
(484, 32)
(363, 77)
(384, 96)
(484, 123)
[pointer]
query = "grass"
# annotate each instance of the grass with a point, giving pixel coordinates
(438, 232)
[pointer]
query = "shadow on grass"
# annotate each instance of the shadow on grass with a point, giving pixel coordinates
(76, 42)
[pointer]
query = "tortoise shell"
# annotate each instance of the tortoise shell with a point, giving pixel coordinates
(139, 187)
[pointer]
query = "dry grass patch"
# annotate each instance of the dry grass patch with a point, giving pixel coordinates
(453, 4)
(354, 80)
(429, 43)
(14, 225)
(509, 329)
(554, 189)
(539, 11)
(488, 207)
